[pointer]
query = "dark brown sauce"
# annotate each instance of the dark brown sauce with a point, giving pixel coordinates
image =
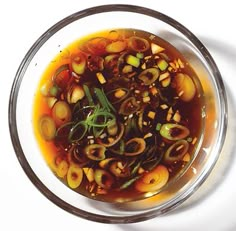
(152, 115)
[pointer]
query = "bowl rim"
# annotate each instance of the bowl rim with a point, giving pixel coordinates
(19, 77)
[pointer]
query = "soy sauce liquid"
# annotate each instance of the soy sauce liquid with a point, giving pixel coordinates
(191, 112)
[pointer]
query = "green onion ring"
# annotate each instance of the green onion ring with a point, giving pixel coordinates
(75, 128)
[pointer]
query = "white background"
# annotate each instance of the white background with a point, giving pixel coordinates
(23, 207)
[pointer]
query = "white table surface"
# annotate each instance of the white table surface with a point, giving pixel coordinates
(23, 207)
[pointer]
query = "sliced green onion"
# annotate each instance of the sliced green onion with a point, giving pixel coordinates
(61, 76)
(103, 100)
(133, 60)
(153, 160)
(92, 120)
(149, 75)
(119, 169)
(78, 127)
(97, 131)
(173, 131)
(158, 126)
(64, 130)
(112, 128)
(76, 107)
(140, 55)
(135, 146)
(162, 64)
(121, 148)
(136, 167)
(54, 90)
(129, 106)
(129, 182)
(82, 111)
(95, 152)
(88, 95)
(98, 128)
(138, 44)
(47, 127)
(108, 102)
(123, 97)
(103, 178)
(116, 139)
(176, 151)
(78, 63)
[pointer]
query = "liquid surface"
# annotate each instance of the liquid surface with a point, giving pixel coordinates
(117, 115)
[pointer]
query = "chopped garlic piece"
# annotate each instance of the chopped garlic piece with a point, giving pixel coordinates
(144, 123)
(172, 65)
(147, 57)
(144, 66)
(151, 37)
(146, 99)
(166, 82)
(156, 48)
(181, 64)
(169, 114)
(164, 76)
(194, 140)
(164, 106)
(148, 135)
(181, 93)
(186, 157)
(176, 64)
(170, 110)
(103, 135)
(119, 93)
(120, 165)
(89, 172)
(110, 139)
(177, 116)
(141, 170)
(168, 117)
(151, 114)
(180, 147)
(101, 191)
(153, 90)
(101, 78)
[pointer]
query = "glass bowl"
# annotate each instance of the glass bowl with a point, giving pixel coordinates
(214, 112)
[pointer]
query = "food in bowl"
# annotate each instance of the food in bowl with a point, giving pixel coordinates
(118, 115)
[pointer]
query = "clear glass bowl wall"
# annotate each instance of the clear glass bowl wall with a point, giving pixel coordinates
(79, 25)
